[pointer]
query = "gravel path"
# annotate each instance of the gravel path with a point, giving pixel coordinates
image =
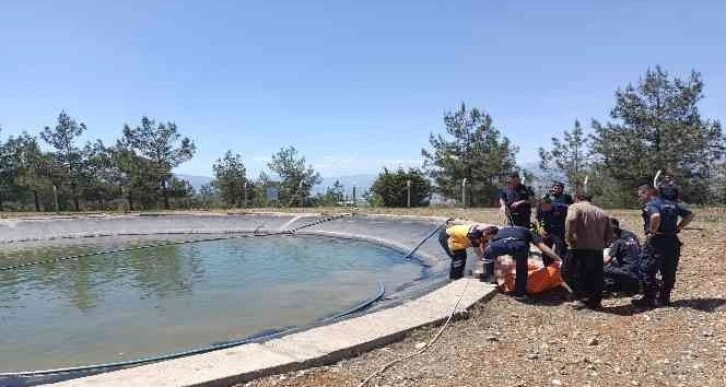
(505, 343)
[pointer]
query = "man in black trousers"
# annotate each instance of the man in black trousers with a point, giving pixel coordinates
(588, 232)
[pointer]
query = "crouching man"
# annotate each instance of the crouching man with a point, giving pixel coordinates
(622, 262)
(513, 241)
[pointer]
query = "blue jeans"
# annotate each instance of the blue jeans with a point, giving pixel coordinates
(519, 250)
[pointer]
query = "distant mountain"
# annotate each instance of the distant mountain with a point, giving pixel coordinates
(543, 178)
(362, 182)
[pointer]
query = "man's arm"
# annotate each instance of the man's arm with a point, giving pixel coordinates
(547, 251)
(532, 197)
(612, 252)
(570, 226)
(686, 217)
(608, 232)
(654, 223)
(479, 250)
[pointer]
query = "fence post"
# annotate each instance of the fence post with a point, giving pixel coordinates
(463, 193)
(408, 188)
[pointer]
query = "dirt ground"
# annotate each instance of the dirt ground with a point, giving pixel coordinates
(506, 343)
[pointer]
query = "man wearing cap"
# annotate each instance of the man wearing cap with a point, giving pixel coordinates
(668, 188)
(558, 194)
(516, 201)
(662, 248)
(456, 239)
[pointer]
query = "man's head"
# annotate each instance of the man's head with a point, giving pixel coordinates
(514, 179)
(582, 196)
(483, 233)
(645, 193)
(557, 188)
(615, 224)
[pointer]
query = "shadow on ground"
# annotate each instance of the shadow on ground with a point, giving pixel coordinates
(708, 305)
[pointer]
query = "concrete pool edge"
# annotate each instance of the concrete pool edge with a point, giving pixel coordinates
(318, 346)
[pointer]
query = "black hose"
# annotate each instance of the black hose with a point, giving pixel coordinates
(410, 253)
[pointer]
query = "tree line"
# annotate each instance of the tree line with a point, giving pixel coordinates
(654, 124)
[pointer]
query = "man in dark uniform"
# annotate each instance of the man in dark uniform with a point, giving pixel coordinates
(559, 195)
(662, 248)
(515, 241)
(622, 261)
(516, 201)
(668, 188)
(551, 223)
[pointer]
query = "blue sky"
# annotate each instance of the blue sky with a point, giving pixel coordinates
(354, 85)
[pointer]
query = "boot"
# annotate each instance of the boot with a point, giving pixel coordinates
(487, 274)
(664, 300)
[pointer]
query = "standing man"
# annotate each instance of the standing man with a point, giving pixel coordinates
(559, 195)
(456, 239)
(662, 248)
(551, 221)
(622, 262)
(668, 189)
(588, 233)
(516, 202)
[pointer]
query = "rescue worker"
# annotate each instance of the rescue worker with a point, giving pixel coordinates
(456, 239)
(514, 241)
(516, 202)
(668, 188)
(588, 233)
(622, 261)
(551, 223)
(662, 248)
(559, 195)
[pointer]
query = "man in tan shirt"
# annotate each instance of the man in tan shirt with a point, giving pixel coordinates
(587, 232)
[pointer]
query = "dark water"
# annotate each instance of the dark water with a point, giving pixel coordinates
(127, 305)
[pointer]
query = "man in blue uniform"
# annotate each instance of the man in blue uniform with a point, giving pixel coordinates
(551, 223)
(515, 241)
(559, 195)
(662, 248)
(668, 189)
(516, 202)
(622, 261)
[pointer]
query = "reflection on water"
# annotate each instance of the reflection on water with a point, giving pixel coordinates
(125, 305)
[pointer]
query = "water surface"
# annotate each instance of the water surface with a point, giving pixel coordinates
(126, 305)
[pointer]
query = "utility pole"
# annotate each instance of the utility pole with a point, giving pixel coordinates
(408, 187)
(55, 198)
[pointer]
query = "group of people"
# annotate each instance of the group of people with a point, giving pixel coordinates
(594, 253)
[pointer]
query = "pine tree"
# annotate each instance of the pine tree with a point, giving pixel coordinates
(472, 149)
